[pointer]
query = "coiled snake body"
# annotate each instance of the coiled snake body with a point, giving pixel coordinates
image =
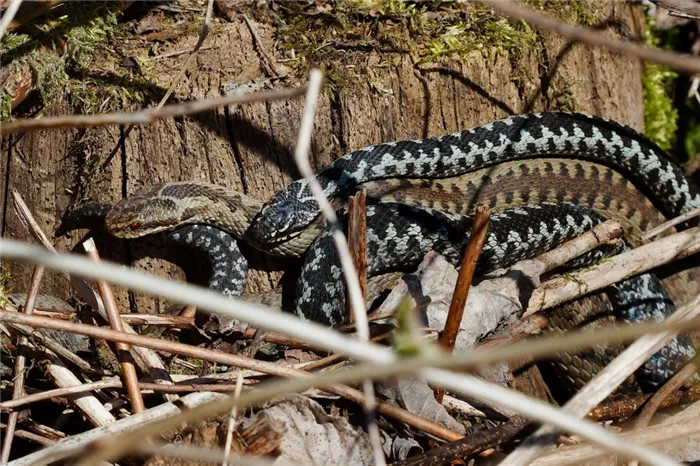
(566, 171)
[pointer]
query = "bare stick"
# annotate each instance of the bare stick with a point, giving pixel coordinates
(357, 242)
(357, 301)
(152, 361)
(18, 387)
(604, 383)
(658, 398)
(8, 15)
(596, 236)
(123, 354)
(472, 251)
(680, 11)
(680, 62)
(268, 62)
(622, 409)
(232, 420)
(146, 116)
(181, 52)
(461, 449)
(618, 268)
(671, 223)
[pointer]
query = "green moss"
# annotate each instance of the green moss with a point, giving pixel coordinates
(692, 139)
(660, 115)
(482, 32)
(89, 96)
(581, 12)
(79, 29)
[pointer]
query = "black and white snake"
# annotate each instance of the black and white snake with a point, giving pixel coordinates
(551, 176)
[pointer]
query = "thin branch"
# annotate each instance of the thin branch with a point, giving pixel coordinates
(616, 269)
(686, 63)
(123, 354)
(18, 387)
(181, 52)
(472, 251)
(622, 409)
(357, 242)
(200, 455)
(671, 223)
(146, 116)
(357, 300)
(461, 449)
(603, 384)
(267, 62)
(680, 11)
(658, 399)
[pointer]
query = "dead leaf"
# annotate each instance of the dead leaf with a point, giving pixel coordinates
(314, 438)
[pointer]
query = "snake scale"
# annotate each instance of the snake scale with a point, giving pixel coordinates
(550, 176)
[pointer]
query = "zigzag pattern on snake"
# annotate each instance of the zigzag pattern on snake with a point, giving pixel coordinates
(289, 222)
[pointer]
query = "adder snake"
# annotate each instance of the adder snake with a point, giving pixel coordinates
(553, 175)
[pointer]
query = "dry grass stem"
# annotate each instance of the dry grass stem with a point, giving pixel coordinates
(146, 116)
(686, 63)
(604, 383)
(79, 443)
(615, 269)
(8, 15)
(232, 420)
(659, 435)
(472, 251)
(357, 301)
(199, 455)
(123, 351)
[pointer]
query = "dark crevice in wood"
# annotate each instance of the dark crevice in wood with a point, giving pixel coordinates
(337, 122)
(237, 157)
(6, 194)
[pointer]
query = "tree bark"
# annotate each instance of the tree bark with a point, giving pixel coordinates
(249, 147)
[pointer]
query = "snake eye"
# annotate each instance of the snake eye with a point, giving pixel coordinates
(134, 225)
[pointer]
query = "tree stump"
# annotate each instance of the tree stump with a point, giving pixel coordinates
(390, 94)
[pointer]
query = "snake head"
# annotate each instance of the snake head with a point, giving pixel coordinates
(145, 213)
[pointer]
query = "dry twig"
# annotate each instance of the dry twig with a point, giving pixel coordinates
(357, 242)
(671, 223)
(123, 354)
(8, 15)
(472, 251)
(658, 398)
(616, 269)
